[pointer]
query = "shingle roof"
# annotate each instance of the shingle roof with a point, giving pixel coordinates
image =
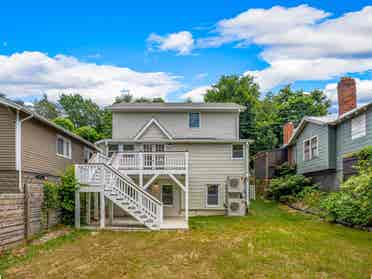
(176, 107)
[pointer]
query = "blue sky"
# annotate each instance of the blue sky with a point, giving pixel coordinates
(176, 49)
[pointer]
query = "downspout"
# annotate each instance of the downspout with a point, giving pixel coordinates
(247, 172)
(19, 147)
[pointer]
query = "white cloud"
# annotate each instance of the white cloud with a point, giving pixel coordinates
(181, 42)
(34, 73)
(364, 92)
(301, 43)
(197, 94)
(201, 76)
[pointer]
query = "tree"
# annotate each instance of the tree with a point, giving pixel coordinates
(82, 112)
(88, 133)
(239, 90)
(46, 108)
(124, 98)
(64, 123)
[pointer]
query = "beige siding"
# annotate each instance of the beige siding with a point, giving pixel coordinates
(39, 150)
(219, 125)
(8, 181)
(153, 133)
(7, 139)
(209, 164)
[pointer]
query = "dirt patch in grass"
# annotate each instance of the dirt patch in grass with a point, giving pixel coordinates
(271, 243)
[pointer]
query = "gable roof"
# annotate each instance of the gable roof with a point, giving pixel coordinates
(148, 125)
(331, 120)
(42, 119)
(154, 107)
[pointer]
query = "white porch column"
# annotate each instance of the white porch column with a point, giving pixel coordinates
(102, 211)
(77, 209)
(111, 212)
(87, 214)
(187, 187)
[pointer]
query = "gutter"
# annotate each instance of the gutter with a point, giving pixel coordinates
(19, 123)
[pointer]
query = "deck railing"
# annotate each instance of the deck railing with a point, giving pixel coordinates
(150, 161)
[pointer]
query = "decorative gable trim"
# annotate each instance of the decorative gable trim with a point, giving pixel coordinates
(148, 125)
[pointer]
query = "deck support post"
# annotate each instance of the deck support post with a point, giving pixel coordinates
(95, 214)
(187, 188)
(111, 212)
(77, 209)
(102, 211)
(87, 213)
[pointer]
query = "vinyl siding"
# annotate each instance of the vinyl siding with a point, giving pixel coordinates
(8, 181)
(7, 139)
(219, 125)
(39, 150)
(209, 164)
(322, 161)
(347, 145)
(153, 133)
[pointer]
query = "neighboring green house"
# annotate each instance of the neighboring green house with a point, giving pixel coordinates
(320, 145)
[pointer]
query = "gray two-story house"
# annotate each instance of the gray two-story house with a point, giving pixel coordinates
(320, 146)
(176, 156)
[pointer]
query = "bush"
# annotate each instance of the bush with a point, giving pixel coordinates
(284, 169)
(51, 200)
(353, 204)
(67, 195)
(289, 185)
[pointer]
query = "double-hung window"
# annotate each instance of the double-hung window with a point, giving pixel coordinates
(237, 151)
(63, 147)
(358, 126)
(212, 193)
(194, 119)
(311, 148)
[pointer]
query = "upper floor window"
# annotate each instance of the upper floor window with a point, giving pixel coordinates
(238, 151)
(358, 126)
(63, 147)
(194, 119)
(311, 148)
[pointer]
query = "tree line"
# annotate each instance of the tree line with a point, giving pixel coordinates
(262, 121)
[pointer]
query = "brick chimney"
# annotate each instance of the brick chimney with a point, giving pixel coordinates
(346, 90)
(287, 132)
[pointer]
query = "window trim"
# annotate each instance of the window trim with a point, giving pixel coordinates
(364, 116)
(232, 152)
(161, 195)
(188, 119)
(218, 196)
(86, 150)
(64, 146)
(311, 157)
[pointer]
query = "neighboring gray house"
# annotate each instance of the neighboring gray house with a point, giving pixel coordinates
(176, 156)
(319, 145)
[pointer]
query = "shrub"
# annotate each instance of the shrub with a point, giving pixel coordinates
(51, 200)
(284, 169)
(353, 204)
(289, 185)
(67, 195)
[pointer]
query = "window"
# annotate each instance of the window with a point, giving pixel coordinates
(311, 148)
(238, 151)
(194, 119)
(112, 148)
(128, 147)
(358, 126)
(314, 147)
(88, 154)
(167, 195)
(212, 195)
(63, 147)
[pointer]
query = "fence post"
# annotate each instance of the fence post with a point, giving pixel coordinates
(27, 210)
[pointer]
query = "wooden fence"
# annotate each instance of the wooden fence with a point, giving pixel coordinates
(21, 215)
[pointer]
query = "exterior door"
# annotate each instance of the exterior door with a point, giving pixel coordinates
(170, 196)
(151, 160)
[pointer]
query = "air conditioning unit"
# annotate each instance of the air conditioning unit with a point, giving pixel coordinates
(236, 207)
(235, 184)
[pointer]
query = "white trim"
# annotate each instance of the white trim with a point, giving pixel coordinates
(232, 153)
(152, 179)
(152, 121)
(357, 133)
(218, 198)
(70, 147)
(161, 195)
(311, 157)
(177, 182)
(188, 119)
(317, 147)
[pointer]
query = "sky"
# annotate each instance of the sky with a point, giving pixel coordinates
(178, 49)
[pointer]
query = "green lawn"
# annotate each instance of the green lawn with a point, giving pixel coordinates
(269, 243)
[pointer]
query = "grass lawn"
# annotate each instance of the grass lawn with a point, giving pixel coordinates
(269, 243)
